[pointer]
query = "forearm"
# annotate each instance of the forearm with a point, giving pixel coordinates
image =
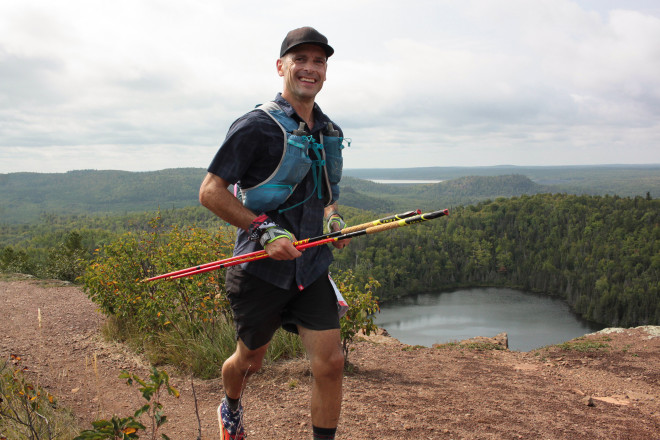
(330, 209)
(214, 195)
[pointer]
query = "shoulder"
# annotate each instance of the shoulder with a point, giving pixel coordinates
(253, 119)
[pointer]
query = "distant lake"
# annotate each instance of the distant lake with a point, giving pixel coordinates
(530, 320)
(403, 181)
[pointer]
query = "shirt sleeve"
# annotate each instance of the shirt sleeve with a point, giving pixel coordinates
(246, 151)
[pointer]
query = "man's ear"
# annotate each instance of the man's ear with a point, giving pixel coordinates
(278, 65)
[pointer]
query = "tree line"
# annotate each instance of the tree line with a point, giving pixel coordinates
(601, 254)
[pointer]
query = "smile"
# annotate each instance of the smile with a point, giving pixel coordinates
(308, 80)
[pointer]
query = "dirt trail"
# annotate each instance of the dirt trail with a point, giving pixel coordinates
(397, 391)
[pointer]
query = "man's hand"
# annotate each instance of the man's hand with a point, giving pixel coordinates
(276, 241)
(282, 249)
(336, 223)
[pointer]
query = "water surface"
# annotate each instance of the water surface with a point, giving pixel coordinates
(530, 320)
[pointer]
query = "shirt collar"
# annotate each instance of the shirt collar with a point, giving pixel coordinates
(319, 121)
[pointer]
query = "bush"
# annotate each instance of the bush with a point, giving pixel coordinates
(129, 427)
(174, 317)
(362, 307)
(28, 411)
(187, 322)
(67, 261)
(114, 280)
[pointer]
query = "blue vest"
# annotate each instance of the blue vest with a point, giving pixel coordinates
(300, 153)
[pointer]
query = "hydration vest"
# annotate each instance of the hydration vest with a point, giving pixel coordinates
(300, 153)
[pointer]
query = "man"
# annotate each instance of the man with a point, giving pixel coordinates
(288, 186)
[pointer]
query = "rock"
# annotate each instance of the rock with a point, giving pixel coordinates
(500, 340)
(588, 401)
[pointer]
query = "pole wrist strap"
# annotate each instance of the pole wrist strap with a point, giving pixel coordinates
(335, 219)
(258, 226)
(274, 233)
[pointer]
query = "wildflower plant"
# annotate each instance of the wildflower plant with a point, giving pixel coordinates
(188, 305)
(121, 428)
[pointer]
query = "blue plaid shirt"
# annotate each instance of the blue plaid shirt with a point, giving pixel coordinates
(249, 155)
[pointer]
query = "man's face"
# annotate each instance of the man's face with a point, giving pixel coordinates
(303, 70)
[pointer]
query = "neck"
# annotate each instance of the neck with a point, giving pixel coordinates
(304, 108)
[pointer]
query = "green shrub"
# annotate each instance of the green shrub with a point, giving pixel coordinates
(187, 322)
(67, 261)
(114, 280)
(128, 427)
(29, 412)
(362, 307)
(177, 320)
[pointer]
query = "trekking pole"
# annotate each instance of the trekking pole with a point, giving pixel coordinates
(259, 254)
(370, 230)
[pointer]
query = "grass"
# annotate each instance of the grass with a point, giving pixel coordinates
(583, 345)
(29, 412)
(200, 352)
(479, 346)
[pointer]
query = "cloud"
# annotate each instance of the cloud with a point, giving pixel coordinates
(435, 82)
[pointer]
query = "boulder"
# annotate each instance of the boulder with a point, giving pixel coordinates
(501, 340)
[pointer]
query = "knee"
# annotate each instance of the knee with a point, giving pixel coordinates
(251, 362)
(329, 367)
(246, 362)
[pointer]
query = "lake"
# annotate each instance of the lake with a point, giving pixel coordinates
(530, 320)
(404, 181)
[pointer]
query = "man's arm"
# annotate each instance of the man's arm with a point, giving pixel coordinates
(214, 195)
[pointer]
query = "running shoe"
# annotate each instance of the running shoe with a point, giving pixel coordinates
(231, 422)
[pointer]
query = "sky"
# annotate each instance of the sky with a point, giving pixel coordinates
(143, 85)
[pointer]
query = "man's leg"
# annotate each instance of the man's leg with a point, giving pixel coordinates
(235, 372)
(239, 366)
(327, 363)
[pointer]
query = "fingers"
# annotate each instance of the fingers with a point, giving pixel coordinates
(341, 244)
(282, 249)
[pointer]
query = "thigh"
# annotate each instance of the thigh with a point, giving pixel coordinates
(257, 306)
(314, 308)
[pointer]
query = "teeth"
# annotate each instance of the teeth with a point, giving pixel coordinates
(309, 80)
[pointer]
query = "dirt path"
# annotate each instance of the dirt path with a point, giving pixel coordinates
(397, 391)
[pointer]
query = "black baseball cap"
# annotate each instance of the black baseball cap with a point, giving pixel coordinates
(305, 35)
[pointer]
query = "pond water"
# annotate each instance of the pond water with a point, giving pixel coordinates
(530, 320)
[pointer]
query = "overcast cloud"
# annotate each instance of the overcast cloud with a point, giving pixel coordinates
(145, 85)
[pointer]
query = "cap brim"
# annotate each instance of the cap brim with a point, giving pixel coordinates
(326, 48)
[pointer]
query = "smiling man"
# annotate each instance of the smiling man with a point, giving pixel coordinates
(284, 160)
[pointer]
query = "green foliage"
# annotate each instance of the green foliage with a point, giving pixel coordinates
(27, 411)
(117, 428)
(16, 261)
(362, 307)
(583, 344)
(194, 305)
(186, 322)
(120, 428)
(174, 318)
(623, 180)
(68, 260)
(601, 254)
(285, 345)
(27, 197)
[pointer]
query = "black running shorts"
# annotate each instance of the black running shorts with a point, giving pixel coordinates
(260, 308)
